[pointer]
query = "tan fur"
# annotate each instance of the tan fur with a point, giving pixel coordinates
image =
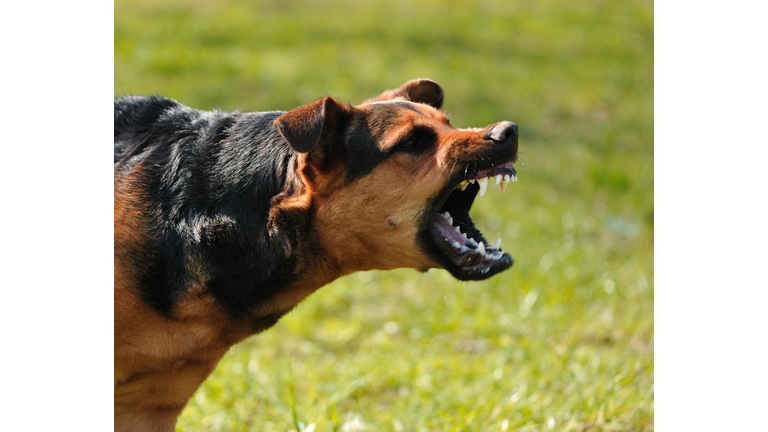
(381, 231)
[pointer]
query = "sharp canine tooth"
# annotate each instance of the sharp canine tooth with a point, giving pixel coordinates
(496, 244)
(483, 182)
(446, 215)
(481, 248)
(498, 178)
(458, 230)
(503, 185)
(450, 219)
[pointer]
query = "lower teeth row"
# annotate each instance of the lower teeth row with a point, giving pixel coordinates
(481, 247)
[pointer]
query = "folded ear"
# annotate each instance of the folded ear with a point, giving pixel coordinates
(303, 127)
(420, 90)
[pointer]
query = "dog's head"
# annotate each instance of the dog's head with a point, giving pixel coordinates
(389, 183)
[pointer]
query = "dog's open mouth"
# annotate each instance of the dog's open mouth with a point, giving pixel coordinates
(455, 234)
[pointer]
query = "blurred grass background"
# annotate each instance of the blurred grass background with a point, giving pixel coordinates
(563, 340)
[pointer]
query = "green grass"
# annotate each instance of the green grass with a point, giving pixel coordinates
(562, 341)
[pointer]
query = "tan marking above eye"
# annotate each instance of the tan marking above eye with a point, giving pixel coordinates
(391, 140)
(390, 124)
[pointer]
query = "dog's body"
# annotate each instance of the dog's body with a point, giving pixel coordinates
(224, 222)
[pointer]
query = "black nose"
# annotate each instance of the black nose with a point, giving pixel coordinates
(502, 131)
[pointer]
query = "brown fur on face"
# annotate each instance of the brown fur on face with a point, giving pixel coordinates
(389, 202)
(358, 188)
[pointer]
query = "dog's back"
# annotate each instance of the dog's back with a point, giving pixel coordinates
(134, 116)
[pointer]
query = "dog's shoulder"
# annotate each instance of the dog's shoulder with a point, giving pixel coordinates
(202, 183)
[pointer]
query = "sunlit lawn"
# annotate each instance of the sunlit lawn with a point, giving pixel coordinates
(564, 339)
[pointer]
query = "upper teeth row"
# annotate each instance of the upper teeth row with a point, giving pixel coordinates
(481, 246)
(483, 182)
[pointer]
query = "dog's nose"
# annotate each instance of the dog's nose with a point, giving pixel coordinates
(502, 131)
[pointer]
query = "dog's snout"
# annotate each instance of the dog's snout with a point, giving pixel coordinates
(502, 131)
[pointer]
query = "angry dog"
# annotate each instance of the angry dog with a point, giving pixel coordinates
(225, 221)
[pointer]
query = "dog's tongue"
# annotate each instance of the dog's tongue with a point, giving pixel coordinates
(449, 231)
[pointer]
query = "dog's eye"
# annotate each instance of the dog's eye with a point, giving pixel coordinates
(409, 144)
(420, 139)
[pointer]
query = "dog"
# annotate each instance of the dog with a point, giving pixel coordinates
(225, 221)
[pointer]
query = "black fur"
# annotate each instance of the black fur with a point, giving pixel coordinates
(211, 177)
(362, 157)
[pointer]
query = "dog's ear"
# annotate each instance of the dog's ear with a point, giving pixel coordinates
(303, 127)
(420, 90)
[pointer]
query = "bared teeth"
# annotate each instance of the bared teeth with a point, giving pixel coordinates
(496, 244)
(483, 182)
(506, 179)
(492, 251)
(501, 179)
